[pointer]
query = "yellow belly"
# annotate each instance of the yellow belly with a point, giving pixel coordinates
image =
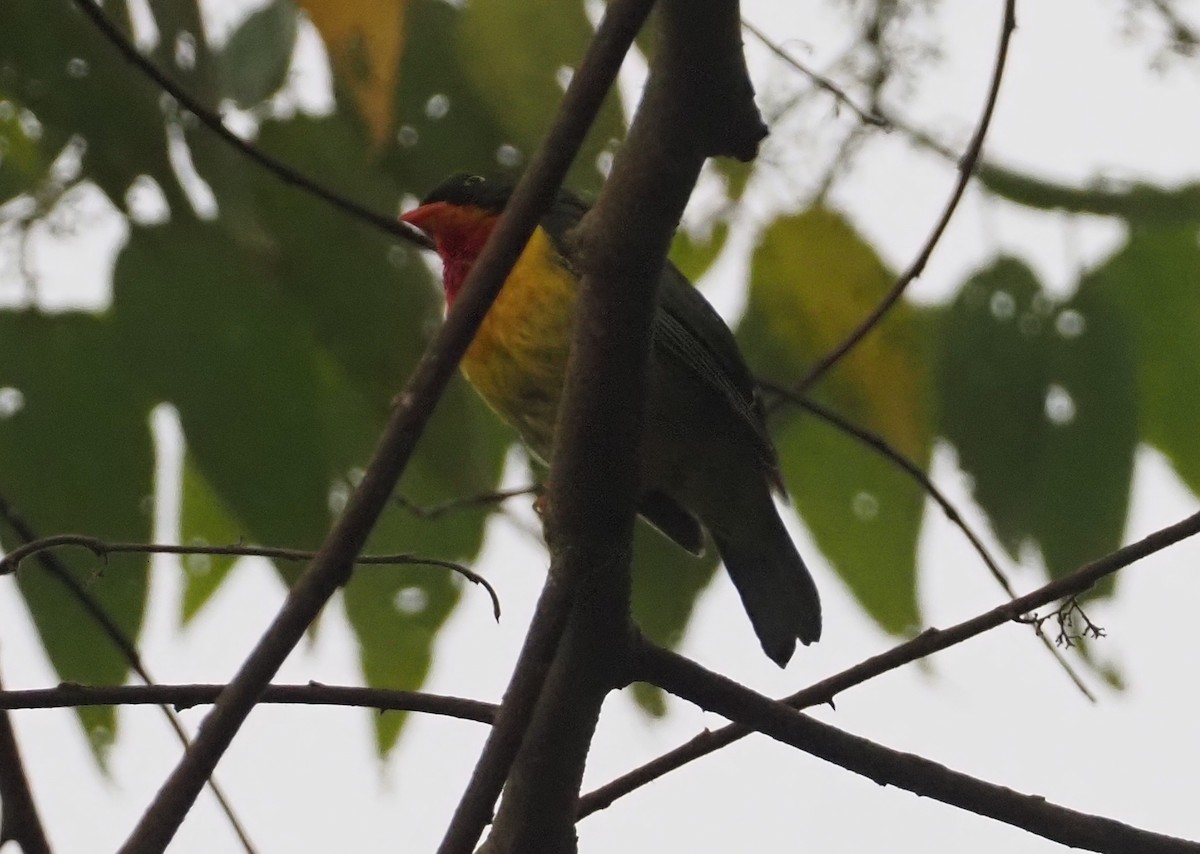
(518, 359)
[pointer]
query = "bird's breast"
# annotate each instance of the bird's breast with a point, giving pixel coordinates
(517, 361)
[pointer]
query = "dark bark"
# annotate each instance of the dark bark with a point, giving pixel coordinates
(698, 103)
(19, 821)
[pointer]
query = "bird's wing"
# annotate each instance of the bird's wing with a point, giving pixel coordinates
(690, 330)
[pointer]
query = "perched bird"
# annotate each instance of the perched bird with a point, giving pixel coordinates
(706, 457)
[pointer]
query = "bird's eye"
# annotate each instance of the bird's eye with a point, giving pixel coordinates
(472, 180)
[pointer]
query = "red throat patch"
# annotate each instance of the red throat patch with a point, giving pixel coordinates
(458, 232)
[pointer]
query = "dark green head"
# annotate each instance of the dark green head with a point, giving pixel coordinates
(466, 189)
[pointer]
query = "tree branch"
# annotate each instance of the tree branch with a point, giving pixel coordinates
(71, 695)
(19, 820)
(333, 563)
(123, 643)
(868, 116)
(466, 502)
(887, 767)
(878, 444)
(11, 562)
(925, 644)
(965, 169)
(698, 102)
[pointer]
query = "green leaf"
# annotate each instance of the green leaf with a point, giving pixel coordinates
(1154, 281)
(667, 581)
(1040, 402)
(369, 307)
(76, 457)
(693, 256)
(76, 84)
(254, 63)
(396, 612)
(22, 161)
(204, 327)
(368, 300)
(443, 124)
(465, 92)
(813, 279)
(203, 520)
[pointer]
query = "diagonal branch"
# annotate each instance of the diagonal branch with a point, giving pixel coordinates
(925, 644)
(878, 444)
(868, 116)
(887, 767)
(19, 820)
(333, 563)
(124, 644)
(965, 169)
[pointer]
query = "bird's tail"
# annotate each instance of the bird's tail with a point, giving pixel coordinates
(776, 589)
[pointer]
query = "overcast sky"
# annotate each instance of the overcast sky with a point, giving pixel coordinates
(1078, 102)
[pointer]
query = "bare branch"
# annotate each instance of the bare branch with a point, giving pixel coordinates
(887, 767)
(468, 502)
(212, 121)
(697, 103)
(965, 170)
(100, 548)
(878, 444)
(71, 695)
(123, 643)
(925, 644)
(19, 821)
(871, 117)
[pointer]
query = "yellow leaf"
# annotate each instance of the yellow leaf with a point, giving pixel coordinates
(815, 279)
(365, 40)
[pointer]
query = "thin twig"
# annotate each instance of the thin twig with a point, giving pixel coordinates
(484, 499)
(72, 695)
(881, 446)
(922, 646)
(871, 117)
(123, 643)
(887, 767)
(965, 170)
(100, 548)
(212, 121)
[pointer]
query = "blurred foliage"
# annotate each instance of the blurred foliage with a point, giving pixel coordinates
(863, 512)
(279, 329)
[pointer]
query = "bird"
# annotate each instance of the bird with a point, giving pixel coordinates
(706, 458)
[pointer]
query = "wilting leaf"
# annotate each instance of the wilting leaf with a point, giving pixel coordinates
(813, 279)
(365, 40)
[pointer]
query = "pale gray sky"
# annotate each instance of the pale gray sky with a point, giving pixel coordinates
(1078, 102)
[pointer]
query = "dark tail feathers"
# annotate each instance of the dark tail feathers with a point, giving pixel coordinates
(776, 589)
